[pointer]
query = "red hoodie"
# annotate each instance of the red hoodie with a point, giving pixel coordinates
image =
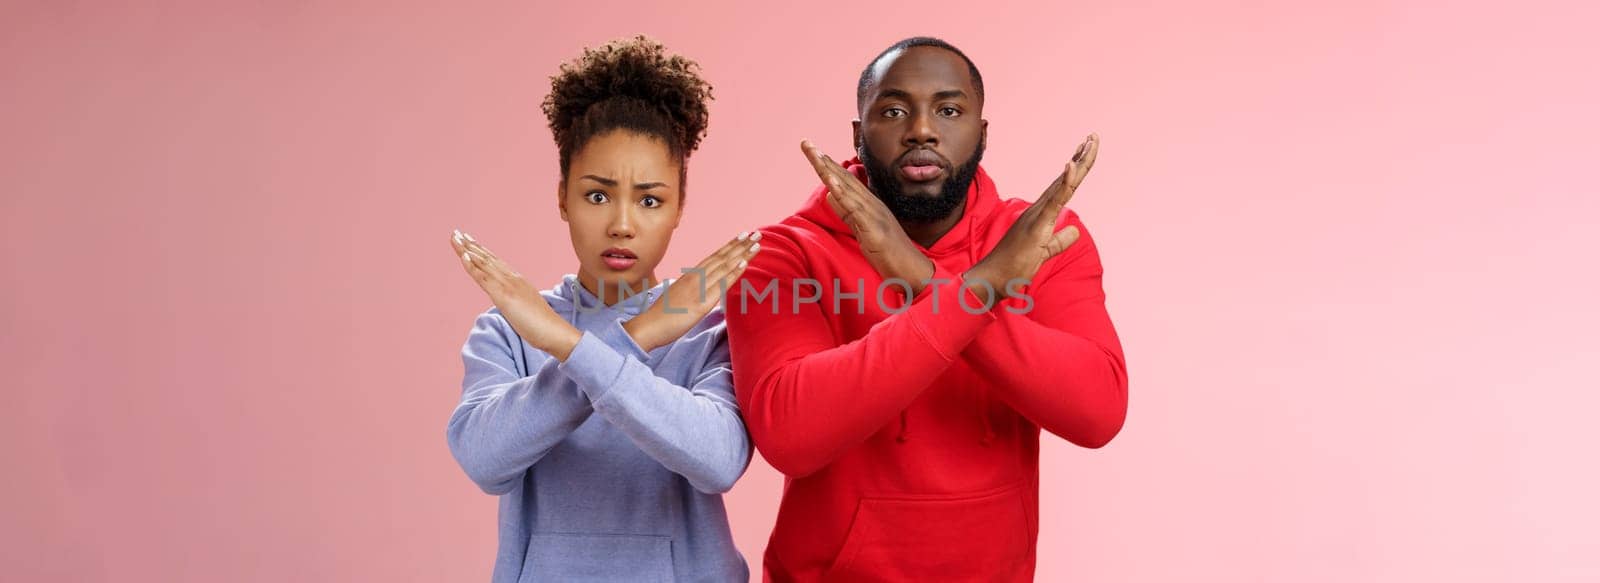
(909, 437)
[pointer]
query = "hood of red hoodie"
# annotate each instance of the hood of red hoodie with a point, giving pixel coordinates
(982, 198)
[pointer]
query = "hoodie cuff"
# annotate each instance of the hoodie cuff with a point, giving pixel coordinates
(617, 337)
(593, 365)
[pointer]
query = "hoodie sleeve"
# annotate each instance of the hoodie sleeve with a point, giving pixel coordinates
(1060, 364)
(807, 395)
(507, 421)
(693, 430)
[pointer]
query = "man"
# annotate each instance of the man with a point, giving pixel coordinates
(897, 350)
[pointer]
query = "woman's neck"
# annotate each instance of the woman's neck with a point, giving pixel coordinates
(615, 292)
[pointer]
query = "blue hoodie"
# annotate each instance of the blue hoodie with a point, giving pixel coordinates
(611, 465)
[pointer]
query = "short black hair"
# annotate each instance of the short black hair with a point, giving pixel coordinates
(629, 84)
(916, 41)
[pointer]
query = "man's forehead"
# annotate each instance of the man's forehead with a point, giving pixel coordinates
(921, 69)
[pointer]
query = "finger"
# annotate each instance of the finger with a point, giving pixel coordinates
(824, 167)
(737, 247)
(718, 279)
(483, 258)
(814, 156)
(1090, 153)
(1047, 210)
(471, 261)
(487, 259)
(836, 203)
(1064, 194)
(846, 181)
(836, 183)
(724, 277)
(1050, 193)
(846, 205)
(483, 261)
(1061, 240)
(464, 238)
(843, 203)
(477, 248)
(854, 195)
(725, 263)
(839, 180)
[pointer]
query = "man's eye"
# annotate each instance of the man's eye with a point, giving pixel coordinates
(894, 112)
(596, 197)
(949, 112)
(650, 202)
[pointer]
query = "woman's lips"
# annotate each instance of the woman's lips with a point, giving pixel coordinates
(619, 259)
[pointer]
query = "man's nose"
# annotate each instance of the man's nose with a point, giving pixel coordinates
(922, 131)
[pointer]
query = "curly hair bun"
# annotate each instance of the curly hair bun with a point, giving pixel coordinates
(631, 84)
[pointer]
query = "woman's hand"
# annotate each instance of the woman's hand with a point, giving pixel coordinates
(689, 299)
(519, 302)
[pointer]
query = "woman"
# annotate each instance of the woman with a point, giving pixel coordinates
(602, 411)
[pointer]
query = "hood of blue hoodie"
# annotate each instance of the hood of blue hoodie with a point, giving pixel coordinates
(572, 301)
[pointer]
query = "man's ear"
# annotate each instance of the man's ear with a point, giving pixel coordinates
(983, 135)
(561, 199)
(855, 135)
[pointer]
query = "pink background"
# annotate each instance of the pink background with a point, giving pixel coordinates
(1350, 250)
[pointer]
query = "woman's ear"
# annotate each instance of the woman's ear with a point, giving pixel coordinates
(561, 199)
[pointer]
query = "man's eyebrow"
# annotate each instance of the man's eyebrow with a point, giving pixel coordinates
(902, 94)
(894, 94)
(605, 181)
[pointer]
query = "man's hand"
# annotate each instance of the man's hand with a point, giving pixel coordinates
(689, 299)
(887, 248)
(1033, 238)
(521, 305)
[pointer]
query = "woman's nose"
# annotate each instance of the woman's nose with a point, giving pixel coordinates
(622, 224)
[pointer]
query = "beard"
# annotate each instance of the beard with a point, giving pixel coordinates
(919, 209)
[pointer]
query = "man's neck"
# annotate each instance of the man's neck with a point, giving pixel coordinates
(926, 234)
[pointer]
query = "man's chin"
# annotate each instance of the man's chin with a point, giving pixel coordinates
(925, 190)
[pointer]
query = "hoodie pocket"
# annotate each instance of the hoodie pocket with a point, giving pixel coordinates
(597, 557)
(981, 537)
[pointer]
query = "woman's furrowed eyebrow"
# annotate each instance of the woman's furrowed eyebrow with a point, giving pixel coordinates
(612, 183)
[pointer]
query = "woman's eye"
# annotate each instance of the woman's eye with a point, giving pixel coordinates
(650, 202)
(596, 197)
